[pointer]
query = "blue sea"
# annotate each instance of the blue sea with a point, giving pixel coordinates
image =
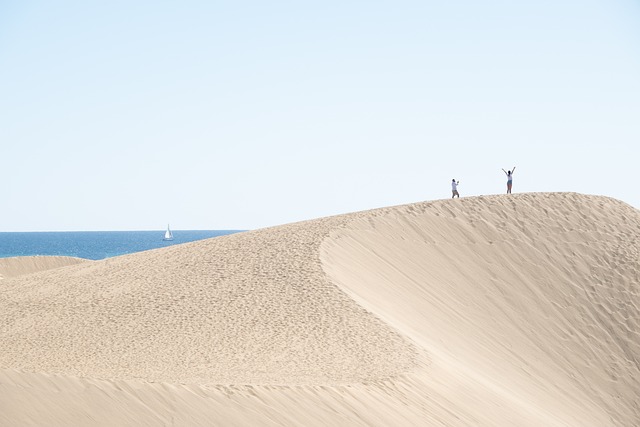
(95, 245)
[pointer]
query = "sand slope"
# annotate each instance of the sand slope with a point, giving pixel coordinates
(499, 310)
(536, 297)
(18, 266)
(249, 308)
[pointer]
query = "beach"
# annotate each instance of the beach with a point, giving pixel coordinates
(503, 310)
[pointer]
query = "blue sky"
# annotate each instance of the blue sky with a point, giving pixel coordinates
(244, 114)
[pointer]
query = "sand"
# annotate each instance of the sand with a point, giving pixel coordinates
(18, 266)
(486, 311)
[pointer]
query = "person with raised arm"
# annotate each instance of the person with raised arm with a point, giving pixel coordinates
(454, 188)
(509, 178)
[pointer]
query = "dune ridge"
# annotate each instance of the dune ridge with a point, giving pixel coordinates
(486, 311)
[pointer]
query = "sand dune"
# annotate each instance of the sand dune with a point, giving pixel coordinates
(18, 266)
(499, 310)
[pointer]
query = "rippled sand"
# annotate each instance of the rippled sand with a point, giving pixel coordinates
(499, 310)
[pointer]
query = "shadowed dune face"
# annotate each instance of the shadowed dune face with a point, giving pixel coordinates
(536, 295)
(249, 308)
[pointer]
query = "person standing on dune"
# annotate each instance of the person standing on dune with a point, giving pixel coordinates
(454, 188)
(509, 178)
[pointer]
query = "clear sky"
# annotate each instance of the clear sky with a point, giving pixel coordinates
(128, 115)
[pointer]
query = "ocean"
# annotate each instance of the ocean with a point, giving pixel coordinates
(95, 245)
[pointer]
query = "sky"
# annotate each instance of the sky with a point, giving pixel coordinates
(241, 115)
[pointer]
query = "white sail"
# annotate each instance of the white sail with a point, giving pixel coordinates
(168, 235)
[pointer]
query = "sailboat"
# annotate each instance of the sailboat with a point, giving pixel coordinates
(168, 235)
